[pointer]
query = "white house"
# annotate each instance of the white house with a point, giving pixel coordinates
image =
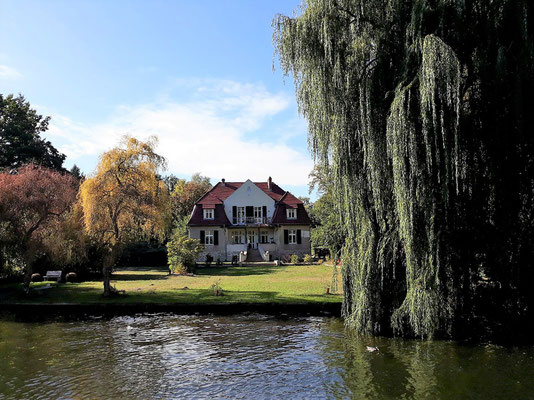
(254, 217)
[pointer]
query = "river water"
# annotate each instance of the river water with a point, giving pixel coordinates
(167, 356)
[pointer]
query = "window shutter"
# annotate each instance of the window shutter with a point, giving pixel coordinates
(214, 212)
(286, 236)
(202, 237)
(299, 236)
(234, 214)
(250, 211)
(216, 238)
(264, 210)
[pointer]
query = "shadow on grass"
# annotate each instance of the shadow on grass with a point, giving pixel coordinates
(152, 273)
(138, 277)
(143, 268)
(78, 294)
(238, 271)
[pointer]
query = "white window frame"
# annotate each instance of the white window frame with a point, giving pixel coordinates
(291, 213)
(240, 237)
(241, 215)
(208, 238)
(209, 213)
(258, 214)
(252, 238)
(292, 236)
(264, 237)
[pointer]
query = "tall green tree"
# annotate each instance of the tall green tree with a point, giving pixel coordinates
(20, 140)
(185, 194)
(328, 231)
(420, 109)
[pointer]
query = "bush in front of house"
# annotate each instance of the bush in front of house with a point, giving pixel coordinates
(308, 259)
(182, 253)
(294, 259)
(71, 277)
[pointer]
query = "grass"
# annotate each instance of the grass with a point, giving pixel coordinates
(240, 284)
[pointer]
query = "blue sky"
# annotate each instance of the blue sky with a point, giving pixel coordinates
(197, 74)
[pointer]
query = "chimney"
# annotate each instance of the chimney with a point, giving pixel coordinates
(270, 184)
(223, 182)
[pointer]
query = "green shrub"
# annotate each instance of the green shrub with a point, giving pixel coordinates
(182, 253)
(179, 269)
(294, 259)
(308, 259)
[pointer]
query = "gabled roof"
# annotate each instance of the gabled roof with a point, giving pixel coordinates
(280, 215)
(221, 191)
(220, 218)
(215, 197)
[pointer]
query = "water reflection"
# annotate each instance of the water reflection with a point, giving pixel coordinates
(411, 369)
(168, 356)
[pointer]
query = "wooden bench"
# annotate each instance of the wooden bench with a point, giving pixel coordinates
(52, 275)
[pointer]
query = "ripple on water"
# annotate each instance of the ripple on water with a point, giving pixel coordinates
(170, 356)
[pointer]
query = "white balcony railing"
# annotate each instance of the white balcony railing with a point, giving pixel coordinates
(252, 220)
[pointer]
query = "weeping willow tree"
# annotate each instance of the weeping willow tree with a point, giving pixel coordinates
(419, 109)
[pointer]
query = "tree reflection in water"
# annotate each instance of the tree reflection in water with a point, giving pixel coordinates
(171, 356)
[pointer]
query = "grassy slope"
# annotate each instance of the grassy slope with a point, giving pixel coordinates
(287, 284)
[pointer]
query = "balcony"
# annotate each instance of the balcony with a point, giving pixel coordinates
(252, 221)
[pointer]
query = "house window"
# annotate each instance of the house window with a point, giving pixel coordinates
(292, 236)
(258, 215)
(264, 237)
(209, 237)
(291, 213)
(238, 237)
(240, 215)
(208, 213)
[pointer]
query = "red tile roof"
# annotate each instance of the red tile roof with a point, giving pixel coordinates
(220, 192)
(280, 215)
(215, 197)
(219, 218)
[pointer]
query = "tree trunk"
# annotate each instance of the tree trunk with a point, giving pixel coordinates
(106, 272)
(28, 278)
(29, 259)
(109, 260)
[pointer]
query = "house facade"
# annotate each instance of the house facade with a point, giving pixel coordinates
(258, 218)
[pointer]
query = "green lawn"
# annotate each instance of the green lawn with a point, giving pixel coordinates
(247, 284)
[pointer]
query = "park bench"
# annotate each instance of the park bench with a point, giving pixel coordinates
(53, 275)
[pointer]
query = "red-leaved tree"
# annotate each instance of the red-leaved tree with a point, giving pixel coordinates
(32, 201)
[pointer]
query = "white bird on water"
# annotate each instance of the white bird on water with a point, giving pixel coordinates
(371, 348)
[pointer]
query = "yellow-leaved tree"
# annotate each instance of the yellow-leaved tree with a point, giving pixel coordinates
(125, 200)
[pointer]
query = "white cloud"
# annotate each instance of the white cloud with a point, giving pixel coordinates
(217, 131)
(9, 72)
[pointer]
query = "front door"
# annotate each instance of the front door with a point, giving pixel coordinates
(252, 239)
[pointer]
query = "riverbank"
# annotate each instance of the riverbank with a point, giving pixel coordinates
(299, 289)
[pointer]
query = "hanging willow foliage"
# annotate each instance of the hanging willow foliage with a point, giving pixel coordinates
(419, 110)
